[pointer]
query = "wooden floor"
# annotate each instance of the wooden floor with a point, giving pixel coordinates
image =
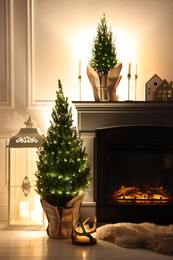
(36, 245)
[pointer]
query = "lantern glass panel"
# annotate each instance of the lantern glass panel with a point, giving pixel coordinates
(25, 206)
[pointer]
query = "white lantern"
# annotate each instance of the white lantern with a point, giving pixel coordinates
(24, 203)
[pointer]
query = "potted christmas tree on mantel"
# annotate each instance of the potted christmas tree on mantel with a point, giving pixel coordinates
(104, 68)
(63, 170)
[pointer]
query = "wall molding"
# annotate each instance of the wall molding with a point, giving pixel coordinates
(9, 55)
(4, 138)
(31, 100)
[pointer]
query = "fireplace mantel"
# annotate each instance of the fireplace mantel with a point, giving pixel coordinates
(93, 115)
(121, 105)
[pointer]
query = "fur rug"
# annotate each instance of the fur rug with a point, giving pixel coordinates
(150, 236)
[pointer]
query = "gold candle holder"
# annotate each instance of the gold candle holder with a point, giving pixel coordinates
(136, 78)
(129, 78)
(80, 87)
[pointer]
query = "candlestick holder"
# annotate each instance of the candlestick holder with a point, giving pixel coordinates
(136, 78)
(129, 78)
(80, 87)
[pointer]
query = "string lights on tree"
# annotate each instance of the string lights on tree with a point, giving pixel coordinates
(63, 167)
(104, 67)
(104, 55)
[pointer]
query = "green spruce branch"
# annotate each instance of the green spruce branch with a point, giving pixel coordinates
(63, 167)
(104, 55)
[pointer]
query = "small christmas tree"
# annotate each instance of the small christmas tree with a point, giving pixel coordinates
(63, 168)
(104, 56)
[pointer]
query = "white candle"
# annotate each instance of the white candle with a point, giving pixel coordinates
(23, 209)
(129, 68)
(79, 67)
(136, 72)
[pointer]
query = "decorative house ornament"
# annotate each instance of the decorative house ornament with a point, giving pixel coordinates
(81, 232)
(158, 89)
(150, 88)
(164, 92)
(104, 69)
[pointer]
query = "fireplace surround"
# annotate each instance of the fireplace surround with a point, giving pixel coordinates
(141, 131)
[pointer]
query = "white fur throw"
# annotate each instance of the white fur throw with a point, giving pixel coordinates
(154, 237)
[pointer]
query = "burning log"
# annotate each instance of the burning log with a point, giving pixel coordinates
(148, 195)
(124, 191)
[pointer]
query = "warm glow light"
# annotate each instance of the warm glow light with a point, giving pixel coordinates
(83, 255)
(127, 43)
(31, 215)
(36, 213)
(127, 50)
(24, 209)
(45, 116)
(82, 232)
(136, 195)
(80, 44)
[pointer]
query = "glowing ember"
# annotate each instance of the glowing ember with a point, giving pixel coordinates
(136, 195)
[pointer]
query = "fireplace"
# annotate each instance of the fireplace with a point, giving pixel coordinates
(134, 174)
(119, 137)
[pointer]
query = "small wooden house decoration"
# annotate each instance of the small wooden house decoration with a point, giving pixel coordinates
(164, 91)
(150, 88)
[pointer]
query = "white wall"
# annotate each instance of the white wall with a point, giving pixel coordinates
(43, 40)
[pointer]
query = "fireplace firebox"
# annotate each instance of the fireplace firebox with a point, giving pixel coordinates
(134, 174)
